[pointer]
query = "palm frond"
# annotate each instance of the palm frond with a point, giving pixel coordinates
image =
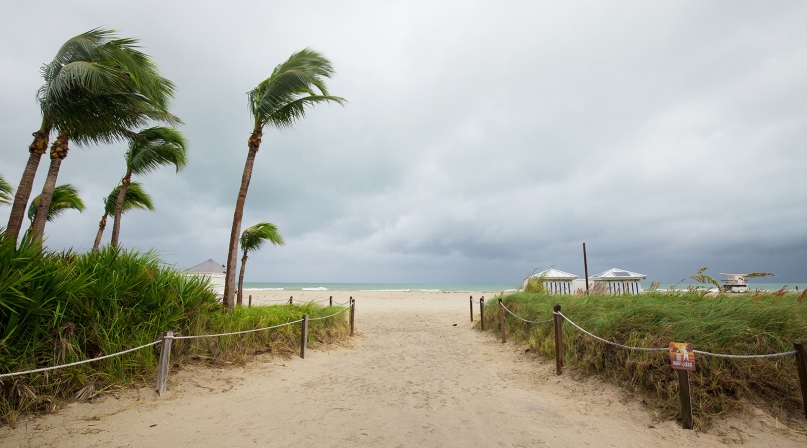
(254, 237)
(6, 191)
(136, 198)
(65, 197)
(154, 147)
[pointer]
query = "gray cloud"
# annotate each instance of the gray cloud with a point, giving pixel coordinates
(481, 139)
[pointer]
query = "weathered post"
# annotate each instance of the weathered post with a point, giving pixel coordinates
(165, 361)
(501, 321)
(291, 300)
(558, 339)
(801, 363)
(472, 308)
(303, 336)
(585, 265)
(352, 315)
(330, 301)
(482, 313)
(250, 300)
(686, 401)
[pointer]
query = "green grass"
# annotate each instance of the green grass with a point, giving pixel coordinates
(57, 308)
(757, 323)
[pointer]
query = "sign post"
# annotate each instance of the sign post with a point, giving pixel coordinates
(682, 359)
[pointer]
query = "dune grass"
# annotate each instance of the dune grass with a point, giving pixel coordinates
(57, 308)
(757, 323)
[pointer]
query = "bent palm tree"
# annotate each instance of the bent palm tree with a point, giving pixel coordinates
(253, 239)
(279, 101)
(5, 191)
(96, 89)
(150, 149)
(65, 197)
(136, 198)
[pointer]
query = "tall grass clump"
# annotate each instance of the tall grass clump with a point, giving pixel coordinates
(61, 307)
(759, 323)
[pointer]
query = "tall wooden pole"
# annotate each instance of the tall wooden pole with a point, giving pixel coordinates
(482, 313)
(585, 265)
(501, 321)
(352, 314)
(472, 308)
(303, 336)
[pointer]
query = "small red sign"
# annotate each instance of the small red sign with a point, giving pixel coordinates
(682, 356)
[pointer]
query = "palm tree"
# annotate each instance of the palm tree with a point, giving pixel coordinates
(136, 198)
(278, 101)
(149, 150)
(253, 239)
(96, 89)
(65, 197)
(5, 191)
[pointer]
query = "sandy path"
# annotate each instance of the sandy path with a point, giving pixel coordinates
(410, 378)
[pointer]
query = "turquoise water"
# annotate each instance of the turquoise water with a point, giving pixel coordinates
(447, 287)
(414, 287)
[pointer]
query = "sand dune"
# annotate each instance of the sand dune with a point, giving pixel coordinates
(409, 378)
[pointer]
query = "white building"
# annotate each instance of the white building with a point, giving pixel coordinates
(213, 271)
(620, 281)
(555, 281)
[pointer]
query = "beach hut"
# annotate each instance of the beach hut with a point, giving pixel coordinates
(555, 281)
(213, 270)
(620, 281)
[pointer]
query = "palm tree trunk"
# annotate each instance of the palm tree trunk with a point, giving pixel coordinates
(58, 152)
(254, 143)
(101, 227)
(38, 147)
(124, 185)
(241, 279)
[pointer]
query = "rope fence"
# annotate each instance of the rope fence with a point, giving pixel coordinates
(800, 353)
(166, 341)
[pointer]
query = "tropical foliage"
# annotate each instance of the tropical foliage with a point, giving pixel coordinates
(65, 197)
(252, 239)
(97, 89)
(148, 150)
(136, 198)
(278, 101)
(5, 191)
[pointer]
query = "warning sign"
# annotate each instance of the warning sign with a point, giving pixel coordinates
(682, 356)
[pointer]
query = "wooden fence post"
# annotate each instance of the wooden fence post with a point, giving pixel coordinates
(291, 300)
(686, 401)
(482, 313)
(165, 361)
(330, 301)
(250, 300)
(352, 315)
(303, 336)
(558, 339)
(471, 300)
(501, 321)
(801, 363)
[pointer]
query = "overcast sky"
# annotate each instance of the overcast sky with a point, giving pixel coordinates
(481, 139)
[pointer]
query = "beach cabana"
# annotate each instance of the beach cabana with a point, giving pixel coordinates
(555, 281)
(213, 270)
(620, 281)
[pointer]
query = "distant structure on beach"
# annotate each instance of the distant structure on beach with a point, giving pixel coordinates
(620, 281)
(614, 281)
(735, 283)
(213, 270)
(555, 281)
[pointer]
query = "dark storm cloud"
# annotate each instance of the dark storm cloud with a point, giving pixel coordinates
(481, 139)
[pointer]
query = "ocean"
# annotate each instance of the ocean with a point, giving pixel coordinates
(455, 287)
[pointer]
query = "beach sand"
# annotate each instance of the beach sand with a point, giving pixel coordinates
(408, 378)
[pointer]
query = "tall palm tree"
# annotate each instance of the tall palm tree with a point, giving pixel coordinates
(136, 198)
(150, 149)
(65, 197)
(96, 90)
(278, 101)
(5, 191)
(253, 239)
